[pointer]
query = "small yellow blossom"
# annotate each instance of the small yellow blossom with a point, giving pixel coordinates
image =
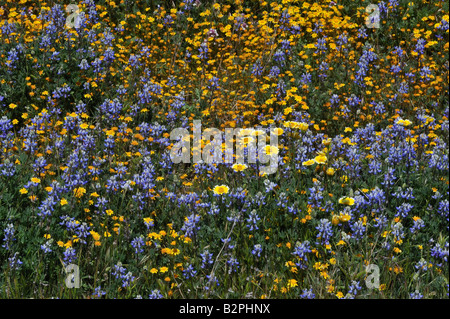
(309, 163)
(79, 192)
(321, 159)
(239, 167)
(221, 189)
(347, 201)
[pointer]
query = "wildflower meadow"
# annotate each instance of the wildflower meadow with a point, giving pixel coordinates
(332, 184)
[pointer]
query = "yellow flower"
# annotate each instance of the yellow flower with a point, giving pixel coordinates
(68, 244)
(330, 287)
(404, 122)
(321, 159)
(148, 221)
(287, 110)
(36, 180)
(79, 192)
(95, 235)
(166, 251)
(154, 235)
(347, 201)
(247, 140)
(271, 150)
(344, 217)
(12, 106)
(153, 270)
(23, 191)
(340, 295)
(297, 125)
(335, 220)
(326, 142)
(324, 274)
(330, 171)
(341, 242)
(309, 163)
(257, 132)
(239, 167)
(163, 269)
(292, 283)
(289, 124)
(303, 126)
(63, 202)
(397, 270)
(109, 212)
(221, 189)
(278, 131)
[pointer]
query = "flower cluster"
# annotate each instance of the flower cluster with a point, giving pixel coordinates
(88, 104)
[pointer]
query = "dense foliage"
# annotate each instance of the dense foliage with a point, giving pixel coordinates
(88, 99)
